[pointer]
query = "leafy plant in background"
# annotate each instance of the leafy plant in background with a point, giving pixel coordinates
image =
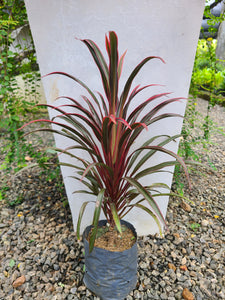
(207, 76)
(13, 105)
(195, 131)
(208, 81)
(106, 130)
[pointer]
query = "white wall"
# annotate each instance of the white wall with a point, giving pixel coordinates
(169, 29)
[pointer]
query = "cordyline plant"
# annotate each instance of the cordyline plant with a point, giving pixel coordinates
(106, 130)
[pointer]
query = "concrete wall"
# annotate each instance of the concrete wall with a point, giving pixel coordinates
(169, 29)
(25, 89)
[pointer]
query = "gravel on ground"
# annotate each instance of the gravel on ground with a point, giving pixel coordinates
(40, 257)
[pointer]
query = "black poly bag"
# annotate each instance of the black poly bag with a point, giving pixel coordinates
(110, 275)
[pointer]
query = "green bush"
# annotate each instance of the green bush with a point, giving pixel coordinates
(13, 105)
(204, 77)
(208, 72)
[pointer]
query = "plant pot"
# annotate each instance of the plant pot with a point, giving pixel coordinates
(110, 275)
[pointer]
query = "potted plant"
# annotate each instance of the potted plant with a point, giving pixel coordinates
(105, 128)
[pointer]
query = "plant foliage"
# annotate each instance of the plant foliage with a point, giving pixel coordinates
(14, 104)
(106, 128)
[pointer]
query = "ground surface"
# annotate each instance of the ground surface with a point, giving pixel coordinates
(41, 259)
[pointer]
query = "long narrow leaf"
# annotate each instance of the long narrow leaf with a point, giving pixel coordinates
(151, 214)
(100, 62)
(133, 116)
(132, 76)
(116, 217)
(98, 206)
(135, 91)
(93, 165)
(82, 209)
(152, 151)
(113, 72)
(171, 153)
(134, 156)
(120, 65)
(172, 194)
(147, 196)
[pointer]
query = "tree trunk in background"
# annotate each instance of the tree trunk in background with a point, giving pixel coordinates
(220, 49)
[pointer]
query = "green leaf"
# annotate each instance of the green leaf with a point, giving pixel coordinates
(152, 150)
(155, 169)
(116, 217)
(147, 196)
(151, 214)
(82, 209)
(98, 206)
(100, 62)
(132, 76)
(12, 263)
(174, 195)
(171, 153)
(113, 72)
(120, 65)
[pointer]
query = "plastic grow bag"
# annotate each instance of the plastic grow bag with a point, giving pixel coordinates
(110, 275)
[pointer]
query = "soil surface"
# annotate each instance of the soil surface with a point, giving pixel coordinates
(110, 239)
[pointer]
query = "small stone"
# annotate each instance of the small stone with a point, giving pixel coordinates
(187, 295)
(81, 288)
(221, 295)
(155, 273)
(146, 281)
(174, 255)
(73, 290)
(88, 293)
(171, 266)
(176, 235)
(143, 265)
(184, 261)
(185, 206)
(178, 241)
(19, 281)
(137, 295)
(205, 223)
(16, 274)
(218, 255)
(162, 284)
(56, 267)
(183, 268)
(45, 268)
(45, 279)
(193, 274)
(164, 296)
